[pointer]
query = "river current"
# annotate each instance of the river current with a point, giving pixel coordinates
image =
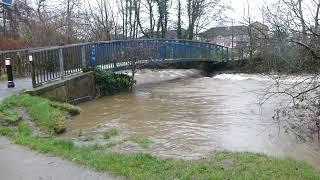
(189, 116)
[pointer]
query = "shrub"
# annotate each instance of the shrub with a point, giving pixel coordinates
(109, 83)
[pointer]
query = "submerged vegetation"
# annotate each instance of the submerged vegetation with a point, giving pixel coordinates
(110, 133)
(143, 142)
(49, 116)
(109, 83)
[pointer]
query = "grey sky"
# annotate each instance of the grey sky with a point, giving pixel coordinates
(239, 6)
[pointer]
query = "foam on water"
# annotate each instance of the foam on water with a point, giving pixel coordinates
(258, 77)
(241, 77)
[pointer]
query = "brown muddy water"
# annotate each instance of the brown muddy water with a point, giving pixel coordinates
(188, 116)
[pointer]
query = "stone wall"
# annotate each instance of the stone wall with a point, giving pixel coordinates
(75, 89)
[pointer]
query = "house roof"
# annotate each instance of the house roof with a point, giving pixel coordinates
(229, 30)
(225, 31)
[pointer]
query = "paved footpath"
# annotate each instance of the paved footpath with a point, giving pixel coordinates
(20, 163)
(21, 84)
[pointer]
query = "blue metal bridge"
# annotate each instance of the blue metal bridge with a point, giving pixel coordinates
(47, 64)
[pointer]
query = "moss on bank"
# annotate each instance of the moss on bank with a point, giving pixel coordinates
(220, 165)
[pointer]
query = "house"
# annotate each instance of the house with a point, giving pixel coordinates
(236, 36)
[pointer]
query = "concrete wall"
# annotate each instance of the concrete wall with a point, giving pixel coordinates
(75, 89)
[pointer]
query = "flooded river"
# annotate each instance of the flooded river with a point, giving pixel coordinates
(189, 116)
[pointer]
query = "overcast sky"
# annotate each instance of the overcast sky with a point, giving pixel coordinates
(239, 5)
(237, 13)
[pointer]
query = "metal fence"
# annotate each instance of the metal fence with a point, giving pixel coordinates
(48, 64)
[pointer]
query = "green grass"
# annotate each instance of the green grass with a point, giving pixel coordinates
(144, 166)
(49, 116)
(110, 133)
(143, 142)
(8, 116)
(3, 77)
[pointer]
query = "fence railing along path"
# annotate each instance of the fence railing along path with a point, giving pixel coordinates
(47, 64)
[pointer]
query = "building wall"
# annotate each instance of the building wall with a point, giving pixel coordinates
(238, 41)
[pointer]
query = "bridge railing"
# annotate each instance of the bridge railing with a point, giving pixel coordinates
(57, 62)
(53, 63)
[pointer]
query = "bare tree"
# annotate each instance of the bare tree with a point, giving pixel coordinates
(201, 13)
(179, 22)
(101, 21)
(295, 45)
(163, 10)
(137, 54)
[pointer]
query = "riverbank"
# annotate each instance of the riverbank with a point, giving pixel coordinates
(220, 165)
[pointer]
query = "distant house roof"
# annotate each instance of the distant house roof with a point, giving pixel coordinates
(229, 30)
(10, 44)
(172, 34)
(260, 26)
(225, 31)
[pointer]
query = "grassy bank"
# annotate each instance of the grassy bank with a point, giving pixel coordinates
(220, 165)
(49, 116)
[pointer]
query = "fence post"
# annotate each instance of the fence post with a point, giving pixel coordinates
(19, 64)
(222, 53)
(93, 56)
(33, 74)
(61, 63)
(83, 57)
(227, 54)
